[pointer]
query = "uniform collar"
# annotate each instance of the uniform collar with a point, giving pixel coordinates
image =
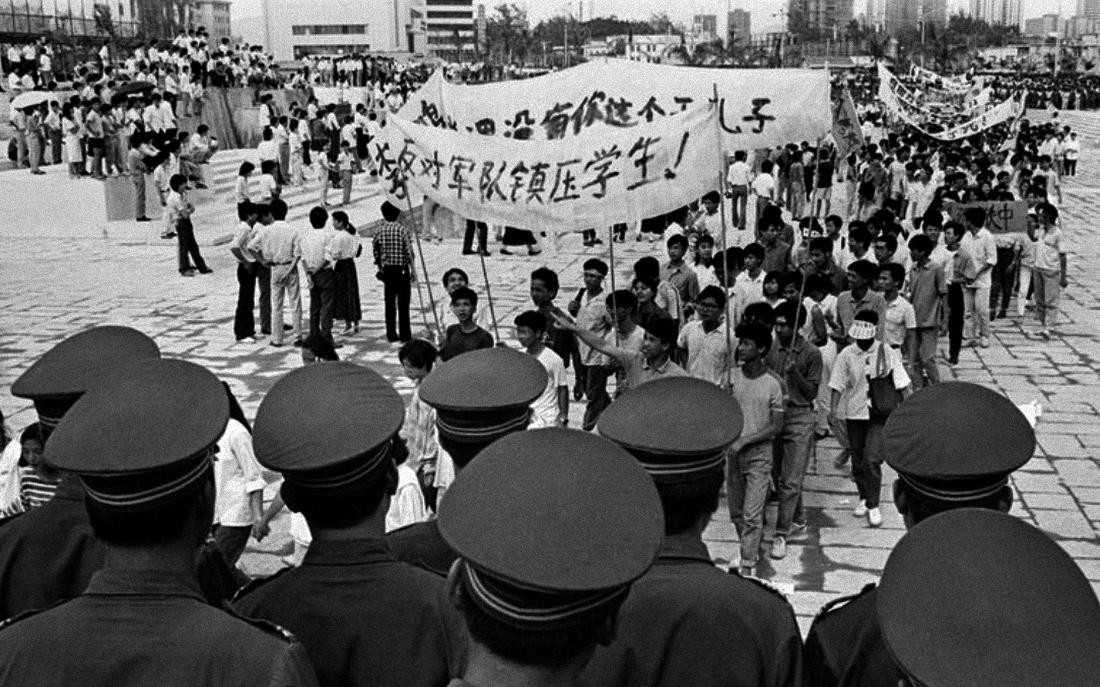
(348, 552)
(680, 547)
(660, 369)
(152, 582)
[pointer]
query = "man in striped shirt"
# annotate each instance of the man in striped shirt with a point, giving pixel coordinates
(393, 256)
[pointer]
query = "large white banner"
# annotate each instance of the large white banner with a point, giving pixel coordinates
(757, 108)
(620, 175)
(900, 102)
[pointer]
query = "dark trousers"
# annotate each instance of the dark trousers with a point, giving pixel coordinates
(1004, 281)
(263, 278)
(188, 247)
(595, 390)
(244, 318)
(956, 316)
(322, 302)
(865, 444)
(1071, 168)
(482, 231)
(230, 541)
(395, 295)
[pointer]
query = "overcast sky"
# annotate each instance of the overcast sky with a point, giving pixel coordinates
(764, 12)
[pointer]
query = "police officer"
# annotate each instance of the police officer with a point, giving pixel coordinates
(364, 617)
(143, 444)
(552, 527)
(686, 617)
(479, 397)
(953, 445)
(50, 553)
(974, 597)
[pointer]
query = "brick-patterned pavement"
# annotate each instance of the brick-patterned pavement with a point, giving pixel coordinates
(62, 269)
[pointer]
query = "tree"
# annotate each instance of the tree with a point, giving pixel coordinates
(507, 30)
(659, 22)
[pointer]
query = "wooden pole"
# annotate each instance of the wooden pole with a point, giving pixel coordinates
(424, 266)
(725, 238)
(489, 293)
(611, 271)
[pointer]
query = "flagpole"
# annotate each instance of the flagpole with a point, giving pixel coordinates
(489, 293)
(614, 304)
(725, 238)
(423, 263)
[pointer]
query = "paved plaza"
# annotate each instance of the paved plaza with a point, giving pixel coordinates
(63, 269)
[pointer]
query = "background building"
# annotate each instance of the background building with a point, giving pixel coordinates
(450, 27)
(213, 15)
(1044, 26)
(740, 25)
(819, 17)
(1089, 9)
(1005, 12)
(27, 20)
(292, 29)
(705, 27)
(1081, 26)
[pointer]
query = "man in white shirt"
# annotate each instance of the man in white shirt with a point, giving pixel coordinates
(239, 485)
(709, 346)
(979, 243)
(551, 408)
(748, 287)
(738, 180)
(763, 188)
(318, 261)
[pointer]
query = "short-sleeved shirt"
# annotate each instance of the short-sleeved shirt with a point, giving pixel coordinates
(544, 410)
(590, 316)
(764, 186)
(848, 307)
(739, 174)
(709, 353)
(849, 377)
(926, 286)
(1048, 251)
(983, 251)
(900, 317)
(806, 360)
(683, 278)
(758, 397)
(636, 371)
(458, 342)
(237, 474)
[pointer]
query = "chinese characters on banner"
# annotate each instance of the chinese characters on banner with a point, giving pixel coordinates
(619, 175)
(757, 108)
(1001, 217)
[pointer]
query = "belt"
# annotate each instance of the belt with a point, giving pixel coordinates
(895, 346)
(274, 264)
(320, 269)
(800, 405)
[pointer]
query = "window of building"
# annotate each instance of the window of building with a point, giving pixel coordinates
(450, 14)
(301, 51)
(328, 29)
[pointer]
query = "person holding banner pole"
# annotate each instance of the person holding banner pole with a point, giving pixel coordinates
(722, 176)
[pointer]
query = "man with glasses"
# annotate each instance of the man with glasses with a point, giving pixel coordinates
(589, 365)
(709, 346)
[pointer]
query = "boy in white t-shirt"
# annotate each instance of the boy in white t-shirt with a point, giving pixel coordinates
(551, 409)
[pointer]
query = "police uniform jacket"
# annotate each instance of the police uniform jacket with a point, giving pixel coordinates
(48, 554)
(420, 544)
(364, 617)
(845, 646)
(686, 621)
(148, 627)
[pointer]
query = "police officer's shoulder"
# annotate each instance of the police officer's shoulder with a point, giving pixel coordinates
(256, 584)
(762, 585)
(842, 602)
(9, 622)
(266, 626)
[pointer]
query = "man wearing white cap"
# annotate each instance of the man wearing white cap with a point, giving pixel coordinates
(851, 402)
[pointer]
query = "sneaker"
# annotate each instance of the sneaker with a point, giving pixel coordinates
(779, 547)
(276, 344)
(247, 339)
(187, 273)
(745, 570)
(797, 527)
(206, 271)
(874, 517)
(1044, 334)
(841, 458)
(984, 342)
(298, 342)
(860, 510)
